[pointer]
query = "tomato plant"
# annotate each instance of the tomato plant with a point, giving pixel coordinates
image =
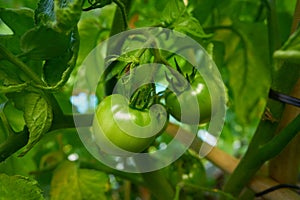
(48, 98)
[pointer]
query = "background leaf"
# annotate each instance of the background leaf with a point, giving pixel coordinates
(70, 182)
(14, 187)
(93, 184)
(65, 183)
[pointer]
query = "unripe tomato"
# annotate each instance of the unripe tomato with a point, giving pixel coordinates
(198, 91)
(118, 127)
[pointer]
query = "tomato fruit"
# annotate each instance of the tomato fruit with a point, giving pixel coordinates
(198, 91)
(118, 127)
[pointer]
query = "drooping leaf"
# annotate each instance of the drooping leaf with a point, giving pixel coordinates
(18, 20)
(43, 43)
(69, 182)
(19, 187)
(59, 69)
(37, 115)
(53, 68)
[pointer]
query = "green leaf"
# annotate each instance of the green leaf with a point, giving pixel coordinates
(18, 20)
(64, 183)
(8, 76)
(38, 118)
(57, 70)
(14, 117)
(190, 25)
(173, 10)
(42, 43)
(93, 184)
(248, 65)
(54, 68)
(201, 10)
(60, 46)
(71, 183)
(19, 187)
(175, 15)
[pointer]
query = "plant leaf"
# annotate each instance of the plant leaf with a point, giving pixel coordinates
(43, 43)
(19, 187)
(64, 183)
(244, 59)
(55, 69)
(38, 117)
(71, 183)
(59, 38)
(93, 184)
(18, 20)
(176, 16)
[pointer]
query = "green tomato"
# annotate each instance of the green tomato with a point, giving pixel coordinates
(118, 127)
(194, 102)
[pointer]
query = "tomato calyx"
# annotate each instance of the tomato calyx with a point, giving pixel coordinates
(143, 98)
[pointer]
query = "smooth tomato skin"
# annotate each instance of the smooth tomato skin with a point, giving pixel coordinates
(114, 111)
(198, 91)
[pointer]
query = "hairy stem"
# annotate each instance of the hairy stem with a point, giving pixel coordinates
(253, 160)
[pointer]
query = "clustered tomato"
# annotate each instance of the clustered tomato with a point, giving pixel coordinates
(118, 127)
(115, 122)
(185, 102)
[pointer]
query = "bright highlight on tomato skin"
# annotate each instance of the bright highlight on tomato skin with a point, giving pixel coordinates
(115, 123)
